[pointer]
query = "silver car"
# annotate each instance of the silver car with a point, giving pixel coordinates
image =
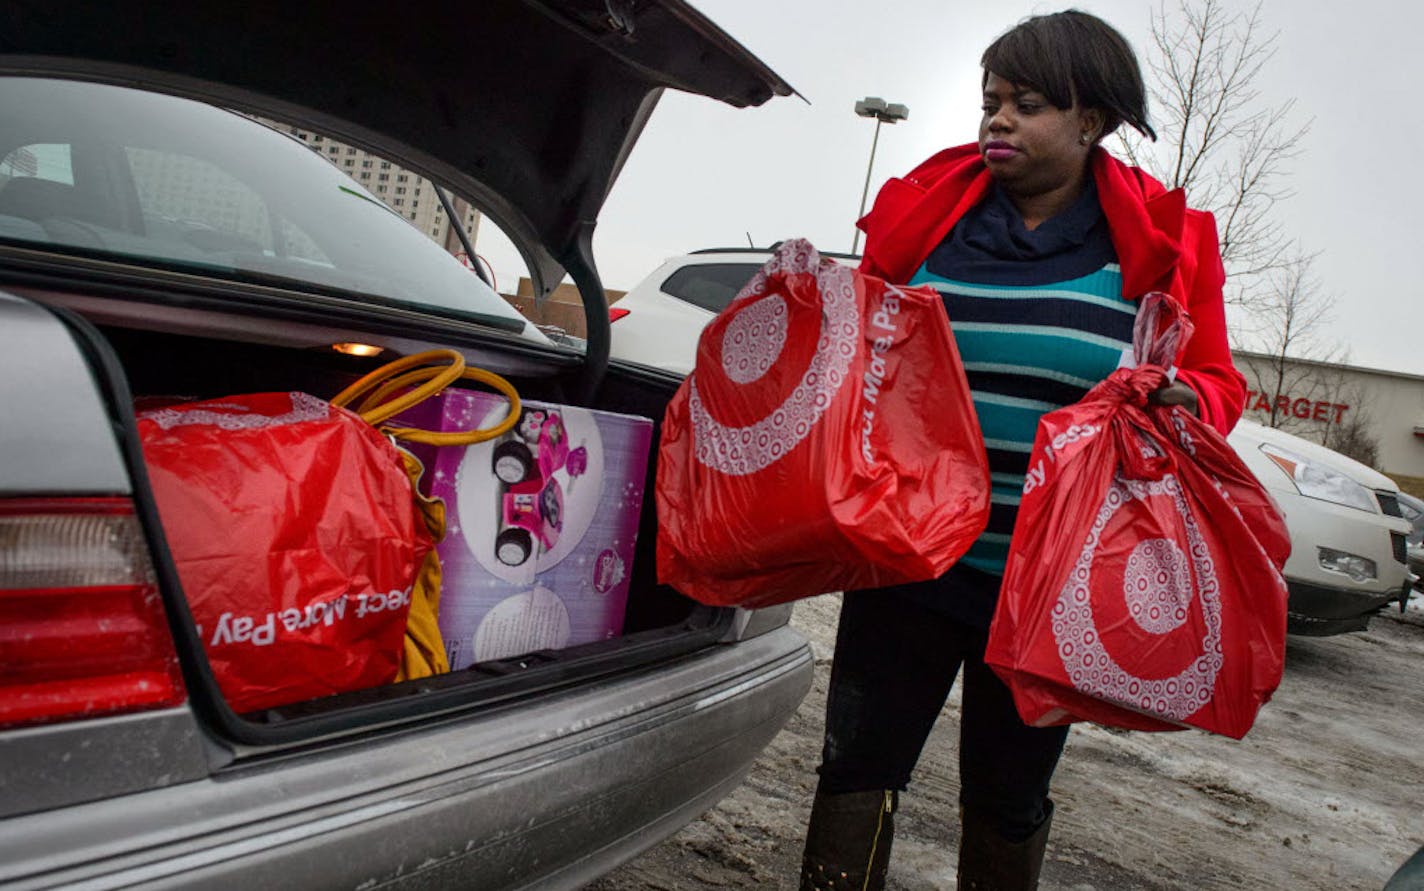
(1413, 510)
(154, 242)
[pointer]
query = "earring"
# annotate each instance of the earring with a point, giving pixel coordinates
(1084, 138)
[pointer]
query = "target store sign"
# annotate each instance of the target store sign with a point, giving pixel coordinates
(1296, 407)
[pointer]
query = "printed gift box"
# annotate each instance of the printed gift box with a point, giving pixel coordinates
(541, 523)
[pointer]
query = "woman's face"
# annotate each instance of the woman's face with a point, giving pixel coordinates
(1030, 146)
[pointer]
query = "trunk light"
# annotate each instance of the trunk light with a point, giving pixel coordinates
(358, 349)
(82, 627)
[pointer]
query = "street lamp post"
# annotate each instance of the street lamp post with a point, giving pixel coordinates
(884, 113)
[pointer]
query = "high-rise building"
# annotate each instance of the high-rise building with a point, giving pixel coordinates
(408, 194)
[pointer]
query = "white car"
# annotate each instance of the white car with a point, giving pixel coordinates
(658, 322)
(1348, 535)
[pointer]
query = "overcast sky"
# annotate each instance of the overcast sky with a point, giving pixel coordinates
(706, 175)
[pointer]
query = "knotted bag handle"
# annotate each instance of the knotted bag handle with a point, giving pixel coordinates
(432, 371)
(1161, 330)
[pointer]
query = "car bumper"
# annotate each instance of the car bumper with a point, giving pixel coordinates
(1324, 601)
(547, 796)
(1319, 610)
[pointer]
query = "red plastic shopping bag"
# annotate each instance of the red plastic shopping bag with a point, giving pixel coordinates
(296, 538)
(825, 440)
(1143, 586)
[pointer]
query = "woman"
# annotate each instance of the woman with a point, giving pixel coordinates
(1040, 242)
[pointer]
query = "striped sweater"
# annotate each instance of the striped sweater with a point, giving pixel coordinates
(1039, 318)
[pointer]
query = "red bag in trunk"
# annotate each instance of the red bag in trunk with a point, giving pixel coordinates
(825, 440)
(296, 539)
(1143, 586)
(294, 526)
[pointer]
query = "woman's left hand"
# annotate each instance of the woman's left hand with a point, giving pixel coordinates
(1175, 394)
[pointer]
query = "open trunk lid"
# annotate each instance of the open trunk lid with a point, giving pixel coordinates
(534, 139)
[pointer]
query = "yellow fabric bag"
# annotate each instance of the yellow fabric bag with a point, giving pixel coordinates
(424, 653)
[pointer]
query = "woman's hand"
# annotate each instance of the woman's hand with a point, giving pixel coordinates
(1175, 394)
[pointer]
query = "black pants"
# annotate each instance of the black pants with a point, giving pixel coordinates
(895, 662)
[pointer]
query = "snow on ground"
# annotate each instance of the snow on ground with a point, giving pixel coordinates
(1326, 792)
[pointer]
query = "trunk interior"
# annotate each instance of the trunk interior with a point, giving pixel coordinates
(659, 623)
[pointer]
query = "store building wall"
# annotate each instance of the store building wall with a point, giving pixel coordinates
(1320, 401)
(562, 309)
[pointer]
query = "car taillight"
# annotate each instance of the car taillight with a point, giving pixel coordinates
(82, 626)
(617, 313)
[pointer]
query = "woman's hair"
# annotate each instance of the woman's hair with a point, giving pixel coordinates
(1070, 56)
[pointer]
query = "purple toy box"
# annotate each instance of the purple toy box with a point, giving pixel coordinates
(540, 523)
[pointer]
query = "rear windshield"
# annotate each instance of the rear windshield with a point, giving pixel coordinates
(710, 285)
(176, 183)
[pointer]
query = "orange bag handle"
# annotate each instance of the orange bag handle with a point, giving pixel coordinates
(421, 368)
(456, 365)
(455, 437)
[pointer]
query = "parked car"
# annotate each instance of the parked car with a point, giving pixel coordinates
(657, 323)
(1410, 875)
(155, 245)
(1345, 520)
(1413, 510)
(1347, 529)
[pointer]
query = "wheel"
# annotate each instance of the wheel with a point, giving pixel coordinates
(513, 546)
(512, 462)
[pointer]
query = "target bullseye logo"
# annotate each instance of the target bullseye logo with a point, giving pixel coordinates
(1157, 586)
(1157, 591)
(753, 340)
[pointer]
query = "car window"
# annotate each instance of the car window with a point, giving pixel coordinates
(182, 191)
(299, 245)
(710, 285)
(173, 182)
(42, 161)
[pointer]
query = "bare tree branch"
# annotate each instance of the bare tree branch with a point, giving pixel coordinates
(1289, 321)
(1231, 151)
(1221, 143)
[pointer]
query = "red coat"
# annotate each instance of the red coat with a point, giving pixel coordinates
(1161, 244)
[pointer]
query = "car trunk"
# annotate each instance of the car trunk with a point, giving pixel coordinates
(527, 108)
(162, 348)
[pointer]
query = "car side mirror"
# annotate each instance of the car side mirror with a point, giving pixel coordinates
(1410, 876)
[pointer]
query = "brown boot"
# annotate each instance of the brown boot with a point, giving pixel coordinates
(990, 862)
(848, 841)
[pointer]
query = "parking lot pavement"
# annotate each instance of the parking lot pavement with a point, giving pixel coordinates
(1324, 793)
